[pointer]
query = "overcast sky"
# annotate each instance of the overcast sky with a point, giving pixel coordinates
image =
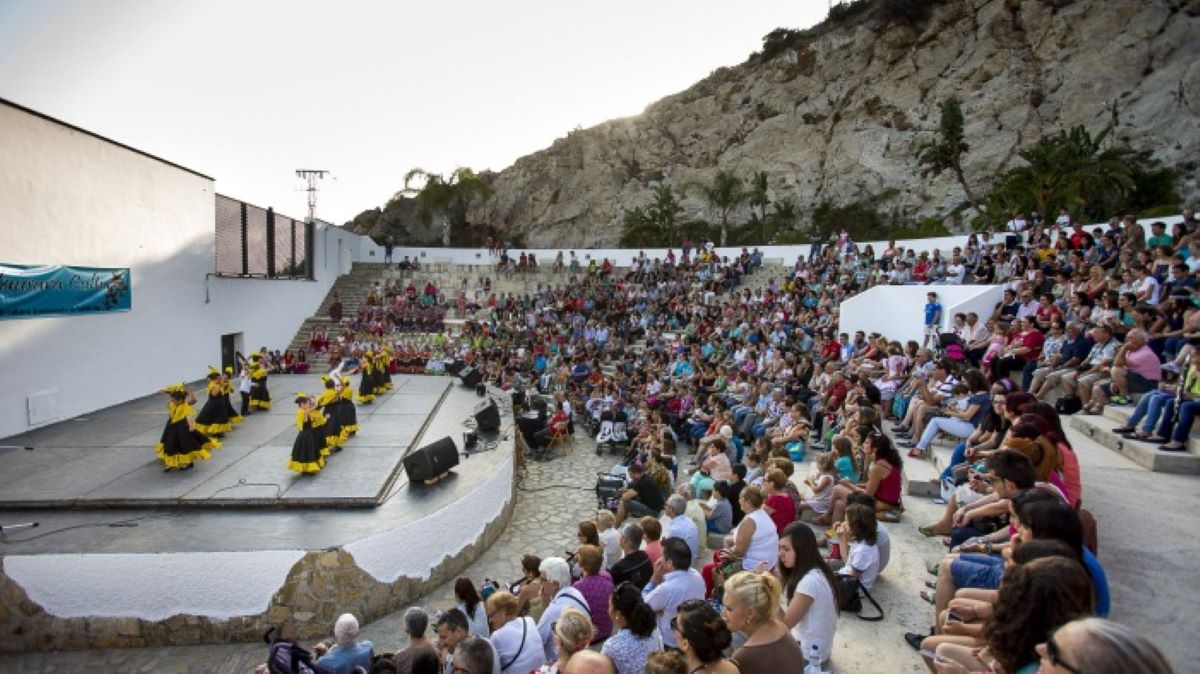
(247, 91)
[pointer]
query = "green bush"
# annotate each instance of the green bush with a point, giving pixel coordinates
(844, 10)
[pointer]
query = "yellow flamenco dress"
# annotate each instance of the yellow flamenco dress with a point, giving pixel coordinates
(181, 445)
(347, 410)
(309, 450)
(366, 387)
(260, 397)
(213, 418)
(335, 435)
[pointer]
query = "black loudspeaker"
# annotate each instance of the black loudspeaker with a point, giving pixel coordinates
(487, 416)
(431, 461)
(470, 376)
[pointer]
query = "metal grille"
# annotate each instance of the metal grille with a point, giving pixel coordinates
(252, 241)
(229, 237)
(256, 240)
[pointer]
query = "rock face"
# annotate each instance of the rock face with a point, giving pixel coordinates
(839, 114)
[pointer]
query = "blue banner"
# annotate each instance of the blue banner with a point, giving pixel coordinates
(28, 291)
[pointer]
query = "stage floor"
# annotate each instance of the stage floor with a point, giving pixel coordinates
(107, 460)
(81, 464)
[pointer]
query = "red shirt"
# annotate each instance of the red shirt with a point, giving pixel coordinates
(782, 509)
(1032, 340)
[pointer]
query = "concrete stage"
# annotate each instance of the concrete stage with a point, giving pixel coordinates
(128, 555)
(107, 460)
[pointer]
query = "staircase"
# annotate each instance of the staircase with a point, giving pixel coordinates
(1099, 428)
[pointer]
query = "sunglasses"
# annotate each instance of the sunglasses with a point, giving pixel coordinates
(1055, 656)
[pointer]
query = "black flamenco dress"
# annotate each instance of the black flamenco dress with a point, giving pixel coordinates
(214, 416)
(260, 397)
(181, 445)
(309, 450)
(335, 435)
(346, 410)
(226, 394)
(366, 387)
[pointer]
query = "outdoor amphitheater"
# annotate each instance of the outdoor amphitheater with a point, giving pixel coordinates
(717, 425)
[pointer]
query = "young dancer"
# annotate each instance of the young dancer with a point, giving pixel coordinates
(260, 397)
(348, 411)
(327, 403)
(213, 419)
(309, 450)
(182, 445)
(366, 387)
(226, 394)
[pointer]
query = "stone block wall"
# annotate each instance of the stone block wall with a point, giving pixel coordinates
(321, 586)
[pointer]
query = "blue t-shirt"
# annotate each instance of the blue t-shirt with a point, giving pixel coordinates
(343, 660)
(1099, 583)
(845, 468)
(933, 311)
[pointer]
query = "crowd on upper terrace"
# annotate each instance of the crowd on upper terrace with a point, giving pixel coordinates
(680, 359)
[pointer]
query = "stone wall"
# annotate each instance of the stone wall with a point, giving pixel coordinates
(321, 586)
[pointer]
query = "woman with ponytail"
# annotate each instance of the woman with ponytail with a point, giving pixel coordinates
(635, 628)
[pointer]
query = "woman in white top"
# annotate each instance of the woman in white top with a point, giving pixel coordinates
(809, 600)
(755, 540)
(516, 639)
(471, 605)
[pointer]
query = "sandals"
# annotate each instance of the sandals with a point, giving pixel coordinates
(1173, 447)
(916, 453)
(913, 639)
(933, 568)
(927, 531)
(928, 597)
(1124, 430)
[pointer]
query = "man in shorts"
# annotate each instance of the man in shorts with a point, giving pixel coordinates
(933, 319)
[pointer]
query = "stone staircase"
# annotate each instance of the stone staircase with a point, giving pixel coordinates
(1100, 429)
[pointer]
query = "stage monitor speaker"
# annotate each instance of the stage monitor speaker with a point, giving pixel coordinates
(487, 416)
(470, 376)
(431, 461)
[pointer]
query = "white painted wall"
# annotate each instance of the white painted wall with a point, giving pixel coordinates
(67, 197)
(153, 587)
(898, 312)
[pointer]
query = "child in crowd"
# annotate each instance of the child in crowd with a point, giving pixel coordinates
(844, 460)
(610, 538)
(821, 486)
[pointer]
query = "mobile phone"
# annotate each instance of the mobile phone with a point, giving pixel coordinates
(926, 653)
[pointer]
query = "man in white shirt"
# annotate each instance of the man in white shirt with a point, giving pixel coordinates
(680, 525)
(955, 272)
(557, 594)
(674, 582)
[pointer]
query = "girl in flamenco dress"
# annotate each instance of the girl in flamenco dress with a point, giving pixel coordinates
(182, 445)
(327, 404)
(309, 450)
(347, 410)
(213, 419)
(366, 387)
(260, 397)
(227, 396)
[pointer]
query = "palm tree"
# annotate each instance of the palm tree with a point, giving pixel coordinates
(1063, 169)
(654, 225)
(946, 153)
(450, 198)
(723, 194)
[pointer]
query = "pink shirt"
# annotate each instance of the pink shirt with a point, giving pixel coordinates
(1144, 362)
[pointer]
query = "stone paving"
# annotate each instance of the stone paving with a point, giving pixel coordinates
(552, 498)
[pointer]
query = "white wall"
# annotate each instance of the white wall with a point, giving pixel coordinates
(68, 197)
(898, 312)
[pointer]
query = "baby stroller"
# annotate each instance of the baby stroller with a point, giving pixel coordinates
(951, 346)
(608, 490)
(613, 433)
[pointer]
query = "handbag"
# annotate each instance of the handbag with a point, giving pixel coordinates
(850, 595)
(727, 565)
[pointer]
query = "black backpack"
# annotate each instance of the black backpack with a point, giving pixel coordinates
(288, 657)
(850, 595)
(1068, 405)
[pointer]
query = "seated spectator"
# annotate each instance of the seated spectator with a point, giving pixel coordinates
(557, 594)
(751, 606)
(596, 586)
(643, 497)
(635, 566)
(857, 536)
(718, 512)
(572, 632)
(810, 597)
(680, 525)
(883, 479)
(472, 608)
(347, 651)
(516, 639)
(610, 538)
(1034, 599)
(452, 635)
(1135, 370)
(674, 582)
(652, 532)
(635, 635)
(703, 636)
(419, 648)
(754, 541)
(1097, 646)
(475, 654)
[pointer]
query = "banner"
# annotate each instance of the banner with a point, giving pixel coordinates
(28, 291)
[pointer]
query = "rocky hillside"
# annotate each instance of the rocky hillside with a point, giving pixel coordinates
(836, 113)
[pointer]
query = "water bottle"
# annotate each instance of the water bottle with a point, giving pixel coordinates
(814, 661)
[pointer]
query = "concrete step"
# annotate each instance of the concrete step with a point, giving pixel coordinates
(1099, 429)
(1123, 413)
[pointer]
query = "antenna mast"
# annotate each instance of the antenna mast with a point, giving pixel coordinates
(311, 176)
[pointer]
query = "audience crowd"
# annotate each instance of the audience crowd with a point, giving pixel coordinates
(759, 471)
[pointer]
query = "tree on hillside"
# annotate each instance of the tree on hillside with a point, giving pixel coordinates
(1065, 169)
(948, 151)
(448, 198)
(656, 224)
(724, 194)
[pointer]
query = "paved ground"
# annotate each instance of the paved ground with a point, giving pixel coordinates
(1140, 515)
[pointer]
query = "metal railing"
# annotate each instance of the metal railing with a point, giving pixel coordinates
(260, 243)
